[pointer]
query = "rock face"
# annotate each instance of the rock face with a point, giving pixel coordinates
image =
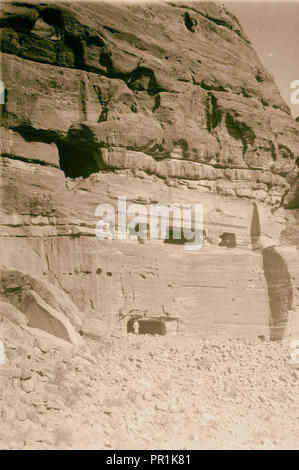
(46, 310)
(166, 103)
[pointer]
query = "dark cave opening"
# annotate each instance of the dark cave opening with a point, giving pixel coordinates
(106, 61)
(176, 237)
(76, 160)
(22, 24)
(53, 16)
(75, 44)
(228, 239)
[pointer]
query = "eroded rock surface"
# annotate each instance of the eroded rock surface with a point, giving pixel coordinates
(172, 81)
(165, 104)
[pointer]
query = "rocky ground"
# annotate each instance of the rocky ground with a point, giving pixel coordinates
(147, 392)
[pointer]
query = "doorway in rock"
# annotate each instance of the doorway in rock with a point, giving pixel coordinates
(228, 239)
(176, 236)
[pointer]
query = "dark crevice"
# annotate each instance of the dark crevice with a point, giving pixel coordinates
(259, 78)
(111, 30)
(209, 87)
(106, 61)
(53, 17)
(214, 114)
(36, 135)
(104, 114)
(233, 128)
(28, 160)
(273, 151)
(75, 44)
(95, 41)
(22, 24)
(190, 23)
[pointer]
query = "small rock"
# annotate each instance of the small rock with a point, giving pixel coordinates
(295, 374)
(35, 399)
(8, 415)
(161, 406)
(26, 371)
(41, 409)
(10, 372)
(147, 396)
(28, 385)
(54, 405)
(43, 345)
(21, 414)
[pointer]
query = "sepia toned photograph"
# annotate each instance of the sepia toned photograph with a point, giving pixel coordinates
(149, 227)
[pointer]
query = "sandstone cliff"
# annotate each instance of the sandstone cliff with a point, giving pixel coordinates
(167, 103)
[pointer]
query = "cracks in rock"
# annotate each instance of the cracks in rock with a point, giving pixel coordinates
(227, 25)
(50, 271)
(209, 87)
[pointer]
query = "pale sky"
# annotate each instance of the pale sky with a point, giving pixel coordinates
(273, 29)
